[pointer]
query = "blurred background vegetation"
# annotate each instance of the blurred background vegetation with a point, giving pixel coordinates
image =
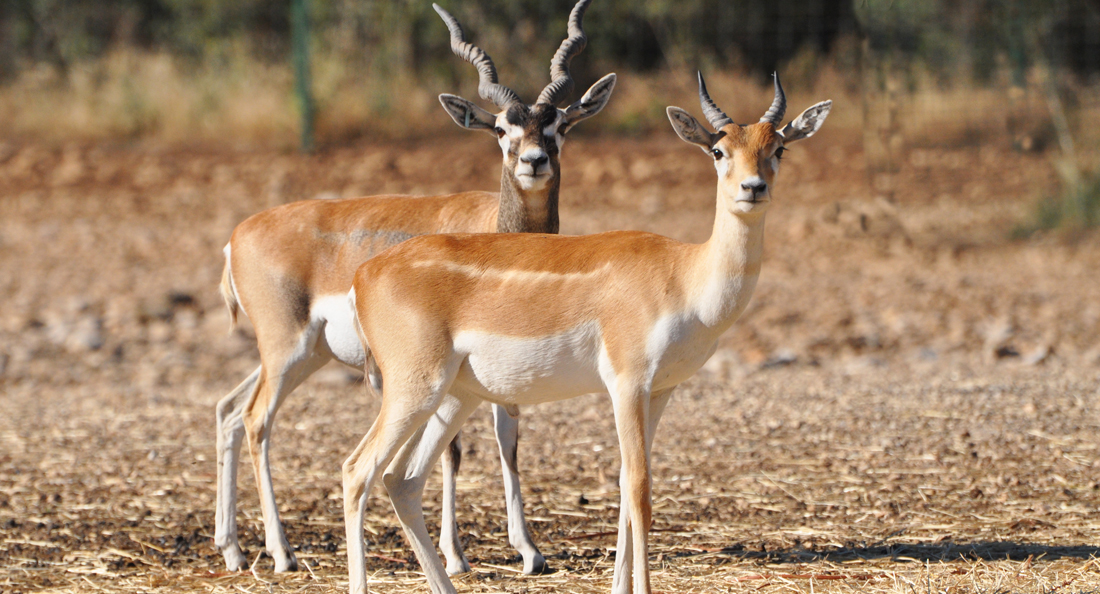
(908, 73)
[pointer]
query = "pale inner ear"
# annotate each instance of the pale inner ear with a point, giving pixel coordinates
(466, 114)
(807, 123)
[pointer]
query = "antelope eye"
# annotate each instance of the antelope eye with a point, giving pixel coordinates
(779, 152)
(717, 153)
(499, 131)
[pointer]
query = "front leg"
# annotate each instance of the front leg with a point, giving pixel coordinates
(632, 404)
(507, 432)
(624, 559)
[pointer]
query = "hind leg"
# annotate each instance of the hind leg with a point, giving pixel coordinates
(406, 475)
(507, 433)
(284, 371)
(408, 404)
(230, 433)
(448, 527)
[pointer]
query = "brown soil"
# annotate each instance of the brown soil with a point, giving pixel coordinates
(908, 404)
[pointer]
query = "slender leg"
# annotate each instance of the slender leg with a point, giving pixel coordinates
(624, 561)
(405, 479)
(230, 434)
(636, 418)
(507, 432)
(259, 417)
(624, 555)
(448, 529)
(406, 408)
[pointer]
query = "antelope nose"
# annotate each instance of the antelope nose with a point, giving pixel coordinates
(756, 186)
(535, 160)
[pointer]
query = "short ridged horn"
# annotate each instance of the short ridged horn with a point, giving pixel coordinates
(561, 82)
(487, 86)
(715, 116)
(779, 105)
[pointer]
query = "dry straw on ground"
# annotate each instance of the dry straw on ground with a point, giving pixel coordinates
(790, 480)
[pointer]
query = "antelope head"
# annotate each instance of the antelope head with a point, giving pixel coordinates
(530, 136)
(747, 156)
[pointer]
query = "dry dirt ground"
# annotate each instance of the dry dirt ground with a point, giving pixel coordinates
(908, 405)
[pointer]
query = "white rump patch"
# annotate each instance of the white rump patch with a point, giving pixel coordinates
(340, 335)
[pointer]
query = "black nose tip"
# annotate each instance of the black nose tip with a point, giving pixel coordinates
(535, 161)
(756, 187)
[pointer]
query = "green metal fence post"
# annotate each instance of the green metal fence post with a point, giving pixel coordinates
(303, 81)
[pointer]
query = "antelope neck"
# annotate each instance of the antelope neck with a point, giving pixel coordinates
(728, 265)
(523, 211)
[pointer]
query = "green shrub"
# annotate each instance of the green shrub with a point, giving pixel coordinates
(1076, 209)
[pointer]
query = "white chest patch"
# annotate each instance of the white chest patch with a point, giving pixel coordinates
(516, 370)
(339, 335)
(676, 348)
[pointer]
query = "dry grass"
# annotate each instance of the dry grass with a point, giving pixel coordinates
(805, 480)
(235, 100)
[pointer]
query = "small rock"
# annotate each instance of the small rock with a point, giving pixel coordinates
(160, 331)
(1037, 356)
(927, 354)
(178, 299)
(86, 335)
(864, 364)
(780, 358)
(997, 335)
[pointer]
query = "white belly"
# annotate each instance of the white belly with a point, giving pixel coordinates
(515, 370)
(339, 336)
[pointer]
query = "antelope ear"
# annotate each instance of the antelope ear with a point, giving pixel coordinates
(807, 123)
(591, 103)
(690, 130)
(466, 114)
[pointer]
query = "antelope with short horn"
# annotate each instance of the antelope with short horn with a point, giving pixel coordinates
(519, 319)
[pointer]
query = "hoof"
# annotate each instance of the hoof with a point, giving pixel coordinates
(458, 568)
(290, 563)
(536, 565)
(234, 558)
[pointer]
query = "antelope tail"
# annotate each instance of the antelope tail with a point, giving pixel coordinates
(229, 294)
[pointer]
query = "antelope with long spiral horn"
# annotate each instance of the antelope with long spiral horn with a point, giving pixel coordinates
(289, 269)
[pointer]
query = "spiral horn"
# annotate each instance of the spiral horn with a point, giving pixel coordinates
(487, 85)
